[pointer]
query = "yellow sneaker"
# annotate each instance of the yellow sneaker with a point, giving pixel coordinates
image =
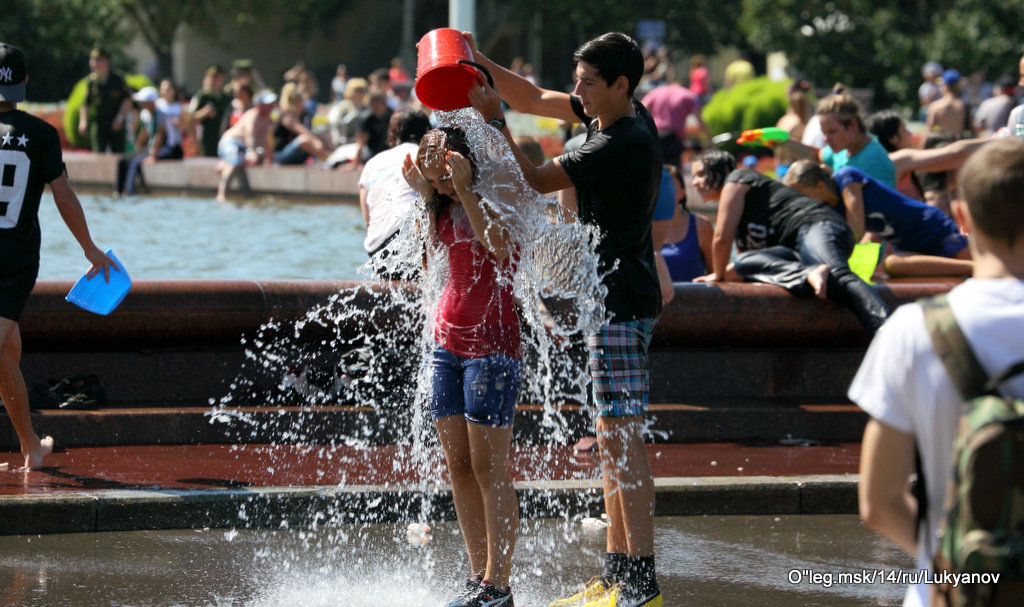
(614, 598)
(592, 591)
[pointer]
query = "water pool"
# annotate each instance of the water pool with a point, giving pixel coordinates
(184, 237)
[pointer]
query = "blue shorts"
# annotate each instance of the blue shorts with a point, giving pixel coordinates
(231, 151)
(484, 390)
(619, 367)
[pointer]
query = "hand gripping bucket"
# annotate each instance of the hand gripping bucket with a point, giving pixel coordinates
(98, 296)
(445, 70)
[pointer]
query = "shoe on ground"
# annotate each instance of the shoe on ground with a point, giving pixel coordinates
(489, 596)
(472, 587)
(618, 597)
(592, 591)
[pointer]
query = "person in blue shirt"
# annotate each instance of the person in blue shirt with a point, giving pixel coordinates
(927, 241)
(847, 140)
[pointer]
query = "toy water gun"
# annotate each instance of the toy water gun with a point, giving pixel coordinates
(765, 136)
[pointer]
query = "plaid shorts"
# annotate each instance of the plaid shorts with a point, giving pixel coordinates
(619, 367)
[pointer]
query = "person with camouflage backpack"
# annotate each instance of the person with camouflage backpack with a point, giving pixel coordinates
(981, 536)
(914, 402)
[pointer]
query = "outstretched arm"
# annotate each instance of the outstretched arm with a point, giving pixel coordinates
(523, 95)
(853, 200)
(550, 176)
(730, 210)
(946, 158)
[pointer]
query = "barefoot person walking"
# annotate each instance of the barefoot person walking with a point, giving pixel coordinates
(30, 158)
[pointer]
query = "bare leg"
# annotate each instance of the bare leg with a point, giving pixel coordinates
(489, 448)
(15, 396)
(469, 503)
(817, 277)
(928, 265)
(628, 485)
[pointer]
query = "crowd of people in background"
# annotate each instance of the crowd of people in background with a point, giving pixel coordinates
(238, 117)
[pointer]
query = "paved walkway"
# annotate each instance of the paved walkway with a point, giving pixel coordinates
(185, 486)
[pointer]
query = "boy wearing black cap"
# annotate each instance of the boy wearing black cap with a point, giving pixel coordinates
(30, 158)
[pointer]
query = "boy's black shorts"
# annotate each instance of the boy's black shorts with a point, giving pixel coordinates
(14, 289)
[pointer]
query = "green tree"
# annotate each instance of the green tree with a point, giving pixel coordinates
(882, 44)
(56, 36)
(159, 21)
(978, 34)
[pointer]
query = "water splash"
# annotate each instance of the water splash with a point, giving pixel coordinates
(360, 353)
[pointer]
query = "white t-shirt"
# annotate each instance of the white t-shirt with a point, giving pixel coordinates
(812, 133)
(388, 197)
(903, 384)
(169, 115)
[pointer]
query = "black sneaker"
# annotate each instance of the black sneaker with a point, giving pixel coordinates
(489, 596)
(472, 587)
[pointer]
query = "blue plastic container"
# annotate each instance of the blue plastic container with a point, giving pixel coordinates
(97, 295)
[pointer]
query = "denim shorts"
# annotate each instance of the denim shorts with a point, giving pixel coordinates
(484, 390)
(291, 153)
(619, 367)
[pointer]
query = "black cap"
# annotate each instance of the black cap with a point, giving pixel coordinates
(12, 73)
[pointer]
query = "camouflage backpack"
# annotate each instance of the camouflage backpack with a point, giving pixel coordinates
(980, 555)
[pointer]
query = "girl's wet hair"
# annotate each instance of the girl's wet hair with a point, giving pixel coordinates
(434, 147)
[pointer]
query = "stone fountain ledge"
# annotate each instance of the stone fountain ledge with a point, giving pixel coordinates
(88, 170)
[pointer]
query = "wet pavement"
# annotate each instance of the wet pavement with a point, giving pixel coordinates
(707, 560)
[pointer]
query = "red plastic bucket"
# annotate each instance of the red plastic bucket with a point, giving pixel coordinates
(445, 70)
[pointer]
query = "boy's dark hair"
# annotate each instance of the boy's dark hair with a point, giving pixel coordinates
(407, 126)
(807, 172)
(613, 54)
(885, 124)
(717, 166)
(991, 182)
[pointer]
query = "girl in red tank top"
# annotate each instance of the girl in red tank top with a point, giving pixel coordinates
(475, 369)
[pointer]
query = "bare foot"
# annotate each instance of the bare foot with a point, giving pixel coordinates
(818, 279)
(34, 460)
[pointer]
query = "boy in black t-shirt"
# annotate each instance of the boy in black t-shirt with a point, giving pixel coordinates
(616, 173)
(30, 158)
